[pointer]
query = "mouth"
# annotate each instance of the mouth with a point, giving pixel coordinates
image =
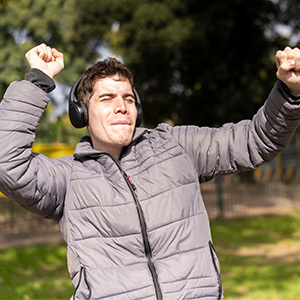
(121, 122)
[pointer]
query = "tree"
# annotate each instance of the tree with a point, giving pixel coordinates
(195, 62)
(3, 3)
(26, 23)
(200, 62)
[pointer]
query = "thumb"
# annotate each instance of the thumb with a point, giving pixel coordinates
(284, 68)
(287, 65)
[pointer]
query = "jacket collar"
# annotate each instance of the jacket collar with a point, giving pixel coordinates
(85, 148)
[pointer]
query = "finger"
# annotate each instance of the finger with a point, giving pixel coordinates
(288, 59)
(293, 57)
(48, 54)
(284, 56)
(297, 59)
(41, 51)
(287, 66)
(44, 52)
(279, 58)
(36, 50)
(34, 53)
(289, 53)
(292, 61)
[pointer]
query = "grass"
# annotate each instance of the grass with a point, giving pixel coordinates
(260, 257)
(34, 272)
(260, 260)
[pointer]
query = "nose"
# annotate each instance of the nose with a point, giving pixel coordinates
(120, 106)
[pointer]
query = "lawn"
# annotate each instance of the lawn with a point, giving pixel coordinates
(34, 272)
(260, 257)
(260, 260)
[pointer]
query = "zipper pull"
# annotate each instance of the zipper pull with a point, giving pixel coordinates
(132, 184)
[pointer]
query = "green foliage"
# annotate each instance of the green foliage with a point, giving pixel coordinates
(35, 272)
(195, 62)
(200, 62)
(3, 3)
(58, 130)
(26, 23)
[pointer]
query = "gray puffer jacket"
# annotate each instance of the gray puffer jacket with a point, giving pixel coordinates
(136, 228)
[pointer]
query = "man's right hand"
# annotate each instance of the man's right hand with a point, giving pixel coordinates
(46, 59)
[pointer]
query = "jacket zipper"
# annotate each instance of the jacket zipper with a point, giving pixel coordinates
(147, 247)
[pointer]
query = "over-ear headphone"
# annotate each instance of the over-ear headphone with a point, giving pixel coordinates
(78, 112)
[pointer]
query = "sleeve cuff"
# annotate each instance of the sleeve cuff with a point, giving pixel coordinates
(40, 79)
(285, 92)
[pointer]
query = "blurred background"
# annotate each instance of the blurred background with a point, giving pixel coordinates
(195, 62)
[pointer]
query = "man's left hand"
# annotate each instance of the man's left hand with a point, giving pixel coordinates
(288, 68)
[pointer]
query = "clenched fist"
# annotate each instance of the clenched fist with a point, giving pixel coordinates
(46, 59)
(288, 68)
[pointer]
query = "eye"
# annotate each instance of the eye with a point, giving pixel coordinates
(106, 100)
(130, 100)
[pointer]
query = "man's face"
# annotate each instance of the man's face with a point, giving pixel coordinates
(112, 115)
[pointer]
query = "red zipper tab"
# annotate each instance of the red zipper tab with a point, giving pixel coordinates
(128, 177)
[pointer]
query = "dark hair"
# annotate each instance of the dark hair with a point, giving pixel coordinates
(102, 69)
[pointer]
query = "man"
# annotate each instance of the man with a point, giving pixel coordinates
(129, 203)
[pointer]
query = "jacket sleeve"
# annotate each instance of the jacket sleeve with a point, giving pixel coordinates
(245, 145)
(31, 180)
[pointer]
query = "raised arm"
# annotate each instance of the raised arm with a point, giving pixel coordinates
(249, 143)
(31, 180)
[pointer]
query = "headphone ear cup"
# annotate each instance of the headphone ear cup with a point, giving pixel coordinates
(78, 114)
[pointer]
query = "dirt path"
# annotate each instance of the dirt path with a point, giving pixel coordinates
(30, 239)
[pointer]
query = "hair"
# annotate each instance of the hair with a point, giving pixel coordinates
(102, 69)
